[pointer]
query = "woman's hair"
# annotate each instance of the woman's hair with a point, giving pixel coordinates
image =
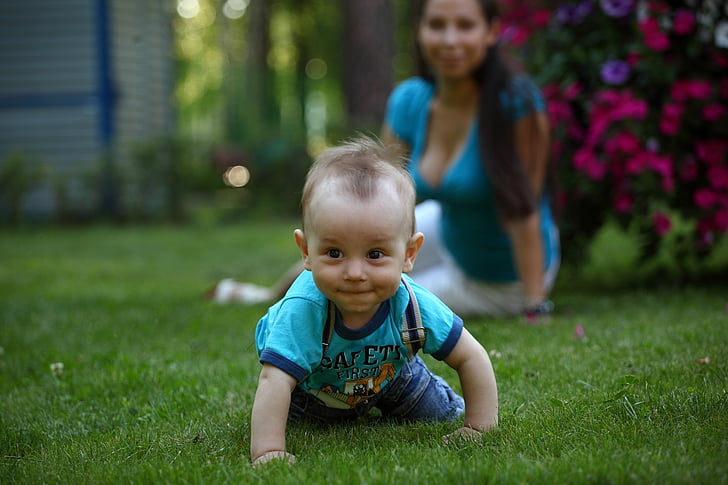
(514, 197)
(361, 165)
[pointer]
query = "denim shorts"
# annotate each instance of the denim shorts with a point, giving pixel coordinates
(415, 394)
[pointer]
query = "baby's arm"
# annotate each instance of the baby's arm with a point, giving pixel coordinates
(477, 379)
(269, 416)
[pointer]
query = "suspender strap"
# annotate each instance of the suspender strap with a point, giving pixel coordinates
(413, 332)
(328, 328)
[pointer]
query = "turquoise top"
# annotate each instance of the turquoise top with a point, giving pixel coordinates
(470, 227)
(358, 364)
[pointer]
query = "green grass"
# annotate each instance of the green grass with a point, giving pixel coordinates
(157, 384)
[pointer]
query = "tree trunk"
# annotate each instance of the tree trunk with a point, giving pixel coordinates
(368, 59)
(260, 107)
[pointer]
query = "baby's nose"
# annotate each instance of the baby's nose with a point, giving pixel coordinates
(354, 270)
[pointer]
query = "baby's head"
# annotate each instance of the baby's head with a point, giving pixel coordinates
(358, 226)
(362, 169)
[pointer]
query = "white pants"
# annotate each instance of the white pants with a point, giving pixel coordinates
(436, 270)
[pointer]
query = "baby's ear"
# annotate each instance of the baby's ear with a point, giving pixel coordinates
(413, 247)
(300, 237)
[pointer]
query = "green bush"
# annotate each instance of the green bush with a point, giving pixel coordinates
(19, 174)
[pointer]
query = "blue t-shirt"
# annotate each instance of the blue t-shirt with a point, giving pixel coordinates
(470, 227)
(358, 364)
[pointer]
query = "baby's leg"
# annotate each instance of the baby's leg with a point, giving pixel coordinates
(418, 394)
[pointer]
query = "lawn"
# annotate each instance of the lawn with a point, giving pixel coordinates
(114, 369)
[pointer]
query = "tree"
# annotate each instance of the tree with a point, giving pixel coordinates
(259, 107)
(368, 59)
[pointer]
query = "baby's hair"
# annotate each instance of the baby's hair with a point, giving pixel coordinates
(361, 165)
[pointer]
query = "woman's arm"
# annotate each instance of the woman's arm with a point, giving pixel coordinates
(269, 416)
(532, 145)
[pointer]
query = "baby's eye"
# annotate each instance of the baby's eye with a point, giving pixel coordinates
(333, 253)
(376, 254)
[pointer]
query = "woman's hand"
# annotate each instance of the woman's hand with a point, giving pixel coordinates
(274, 455)
(539, 313)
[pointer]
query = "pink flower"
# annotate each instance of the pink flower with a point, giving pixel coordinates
(585, 161)
(720, 60)
(596, 170)
(671, 117)
(574, 89)
(684, 89)
(557, 147)
(633, 58)
(551, 91)
(704, 198)
(705, 232)
(718, 176)
(700, 89)
(559, 111)
(582, 158)
(608, 96)
(623, 203)
(575, 131)
(662, 223)
(669, 126)
(657, 7)
(627, 142)
(540, 18)
(654, 37)
(622, 142)
(673, 110)
(661, 165)
(637, 163)
(711, 151)
(617, 105)
(515, 35)
(684, 22)
(721, 220)
(689, 170)
(632, 108)
(598, 127)
(713, 111)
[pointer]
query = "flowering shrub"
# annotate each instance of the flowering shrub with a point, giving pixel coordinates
(637, 93)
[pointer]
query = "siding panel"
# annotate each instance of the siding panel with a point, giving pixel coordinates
(50, 98)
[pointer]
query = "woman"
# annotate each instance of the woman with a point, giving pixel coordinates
(478, 140)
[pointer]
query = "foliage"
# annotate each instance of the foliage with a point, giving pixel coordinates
(637, 93)
(156, 385)
(164, 173)
(19, 174)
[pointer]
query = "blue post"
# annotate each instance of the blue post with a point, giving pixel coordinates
(105, 94)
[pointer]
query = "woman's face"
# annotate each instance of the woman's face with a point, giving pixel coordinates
(454, 36)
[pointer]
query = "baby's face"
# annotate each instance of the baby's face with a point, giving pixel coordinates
(357, 249)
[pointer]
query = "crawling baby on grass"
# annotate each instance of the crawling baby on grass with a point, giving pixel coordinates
(344, 339)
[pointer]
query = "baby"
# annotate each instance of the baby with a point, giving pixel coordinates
(344, 338)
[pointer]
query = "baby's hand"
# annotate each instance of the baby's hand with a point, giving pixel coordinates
(463, 434)
(274, 455)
